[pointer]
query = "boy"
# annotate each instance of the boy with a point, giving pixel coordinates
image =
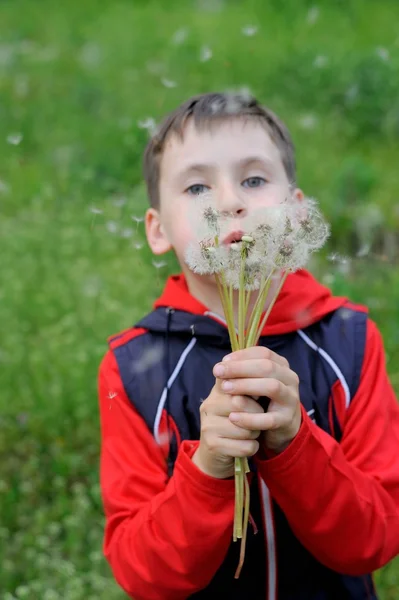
(325, 468)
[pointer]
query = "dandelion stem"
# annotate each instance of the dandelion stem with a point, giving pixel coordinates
(245, 528)
(227, 308)
(269, 310)
(257, 311)
(241, 304)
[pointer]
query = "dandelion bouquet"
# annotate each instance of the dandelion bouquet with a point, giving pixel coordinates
(271, 243)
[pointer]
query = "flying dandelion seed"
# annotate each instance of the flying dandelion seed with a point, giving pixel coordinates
(313, 15)
(159, 264)
(138, 245)
(127, 233)
(205, 54)
(95, 210)
(112, 226)
(15, 138)
(320, 61)
(168, 83)
(4, 187)
(149, 124)
(179, 36)
(249, 30)
(119, 201)
(308, 121)
(383, 53)
(148, 359)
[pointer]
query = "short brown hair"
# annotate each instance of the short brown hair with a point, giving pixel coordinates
(205, 108)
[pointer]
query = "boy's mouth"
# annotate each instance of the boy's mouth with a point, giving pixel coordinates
(233, 238)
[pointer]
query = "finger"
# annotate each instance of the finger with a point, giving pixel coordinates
(234, 448)
(224, 428)
(257, 367)
(271, 388)
(223, 404)
(263, 422)
(256, 352)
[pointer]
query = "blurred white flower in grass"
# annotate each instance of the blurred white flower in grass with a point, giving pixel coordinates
(180, 36)
(313, 15)
(148, 358)
(90, 55)
(249, 30)
(7, 54)
(205, 53)
(383, 53)
(15, 138)
(320, 61)
(168, 83)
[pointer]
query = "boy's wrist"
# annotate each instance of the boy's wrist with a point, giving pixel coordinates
(220, 472)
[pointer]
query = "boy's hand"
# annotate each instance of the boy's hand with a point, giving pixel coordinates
(259, 372)
(220, 439)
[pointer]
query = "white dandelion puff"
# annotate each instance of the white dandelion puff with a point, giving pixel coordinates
(112, 226)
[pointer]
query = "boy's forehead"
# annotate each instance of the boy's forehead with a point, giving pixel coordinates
(219, 141)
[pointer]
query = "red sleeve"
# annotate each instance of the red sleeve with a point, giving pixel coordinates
(342, 500)
(163, 539)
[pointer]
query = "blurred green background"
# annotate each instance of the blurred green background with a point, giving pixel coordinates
(81, 85)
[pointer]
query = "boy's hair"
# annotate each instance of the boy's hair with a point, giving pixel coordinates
(208, 108)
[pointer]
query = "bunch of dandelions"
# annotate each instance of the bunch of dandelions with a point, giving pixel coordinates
(276, 241)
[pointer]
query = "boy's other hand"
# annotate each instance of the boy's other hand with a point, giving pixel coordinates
(257, 372)
(220, 439)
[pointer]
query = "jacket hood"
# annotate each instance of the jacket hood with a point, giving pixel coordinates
(301, 302)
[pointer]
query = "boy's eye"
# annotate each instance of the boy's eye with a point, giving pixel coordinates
(197, 189)
(254, 182)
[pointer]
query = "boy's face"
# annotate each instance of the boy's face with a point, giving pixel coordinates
(235, 160)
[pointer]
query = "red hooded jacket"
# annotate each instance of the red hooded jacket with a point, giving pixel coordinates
(166, 539)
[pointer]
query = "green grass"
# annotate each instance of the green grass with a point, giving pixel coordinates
(75, 80)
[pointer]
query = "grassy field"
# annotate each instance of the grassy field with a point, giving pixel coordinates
(80, 83)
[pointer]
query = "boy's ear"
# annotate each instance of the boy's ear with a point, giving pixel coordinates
(155, 232)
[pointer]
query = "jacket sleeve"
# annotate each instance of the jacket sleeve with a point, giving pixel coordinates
(342, 500)
(163, 539)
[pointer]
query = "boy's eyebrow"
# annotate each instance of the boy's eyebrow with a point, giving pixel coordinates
(242, 163)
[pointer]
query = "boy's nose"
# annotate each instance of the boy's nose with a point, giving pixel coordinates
(230, 201)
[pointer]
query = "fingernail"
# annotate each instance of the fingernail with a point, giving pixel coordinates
(227, 385)
(227, 357)
(218, 371)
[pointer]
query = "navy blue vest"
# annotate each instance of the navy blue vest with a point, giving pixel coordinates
(168, 370)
